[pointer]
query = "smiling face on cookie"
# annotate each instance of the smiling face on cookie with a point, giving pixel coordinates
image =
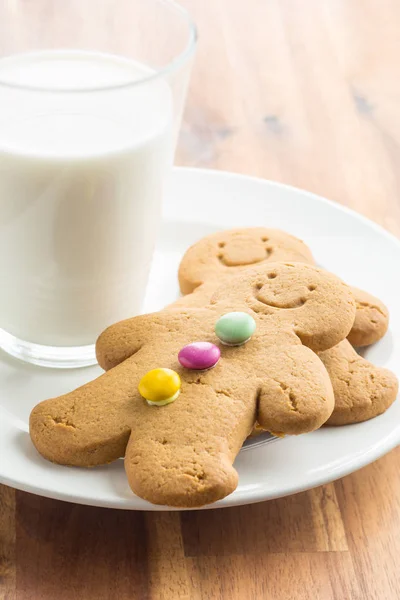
(281, 290)
(309, 300)
(243, 250)
(228, 253)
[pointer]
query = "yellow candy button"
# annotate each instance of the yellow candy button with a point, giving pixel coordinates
(160, 386)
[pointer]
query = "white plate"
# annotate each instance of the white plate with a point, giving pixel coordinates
(197, 203)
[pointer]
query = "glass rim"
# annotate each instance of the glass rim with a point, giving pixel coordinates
(178, 61)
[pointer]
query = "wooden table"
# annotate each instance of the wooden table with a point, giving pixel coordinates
(301, 91)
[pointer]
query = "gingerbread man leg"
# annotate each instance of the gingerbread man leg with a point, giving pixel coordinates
(296, 393)
(178, 455)
(362, 390)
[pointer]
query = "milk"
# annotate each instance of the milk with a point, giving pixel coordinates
(80, 192)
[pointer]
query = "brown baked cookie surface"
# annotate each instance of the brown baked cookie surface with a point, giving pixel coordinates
(182, 454)
(372, 319)
(362, 390)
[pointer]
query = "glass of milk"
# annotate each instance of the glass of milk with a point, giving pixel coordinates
(91, 95)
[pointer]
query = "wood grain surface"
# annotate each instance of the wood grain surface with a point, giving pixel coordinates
(306, 92)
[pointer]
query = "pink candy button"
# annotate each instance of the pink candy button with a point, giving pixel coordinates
(199, 356)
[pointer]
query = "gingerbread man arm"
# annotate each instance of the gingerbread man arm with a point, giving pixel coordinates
(372, 319)
(122, 340)
(89, 426)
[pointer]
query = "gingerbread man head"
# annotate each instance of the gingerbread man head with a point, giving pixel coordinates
(228, 253)
(181, 454)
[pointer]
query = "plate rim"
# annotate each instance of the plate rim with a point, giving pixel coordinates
(253, 497)
(270, 182)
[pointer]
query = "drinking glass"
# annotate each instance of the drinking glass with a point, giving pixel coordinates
(91, 96)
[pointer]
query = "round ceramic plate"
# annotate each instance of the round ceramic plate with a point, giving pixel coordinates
(196, 204)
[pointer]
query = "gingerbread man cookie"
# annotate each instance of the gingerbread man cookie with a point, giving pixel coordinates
(181, 451)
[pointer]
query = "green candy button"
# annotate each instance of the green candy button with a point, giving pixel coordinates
(235, 328)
